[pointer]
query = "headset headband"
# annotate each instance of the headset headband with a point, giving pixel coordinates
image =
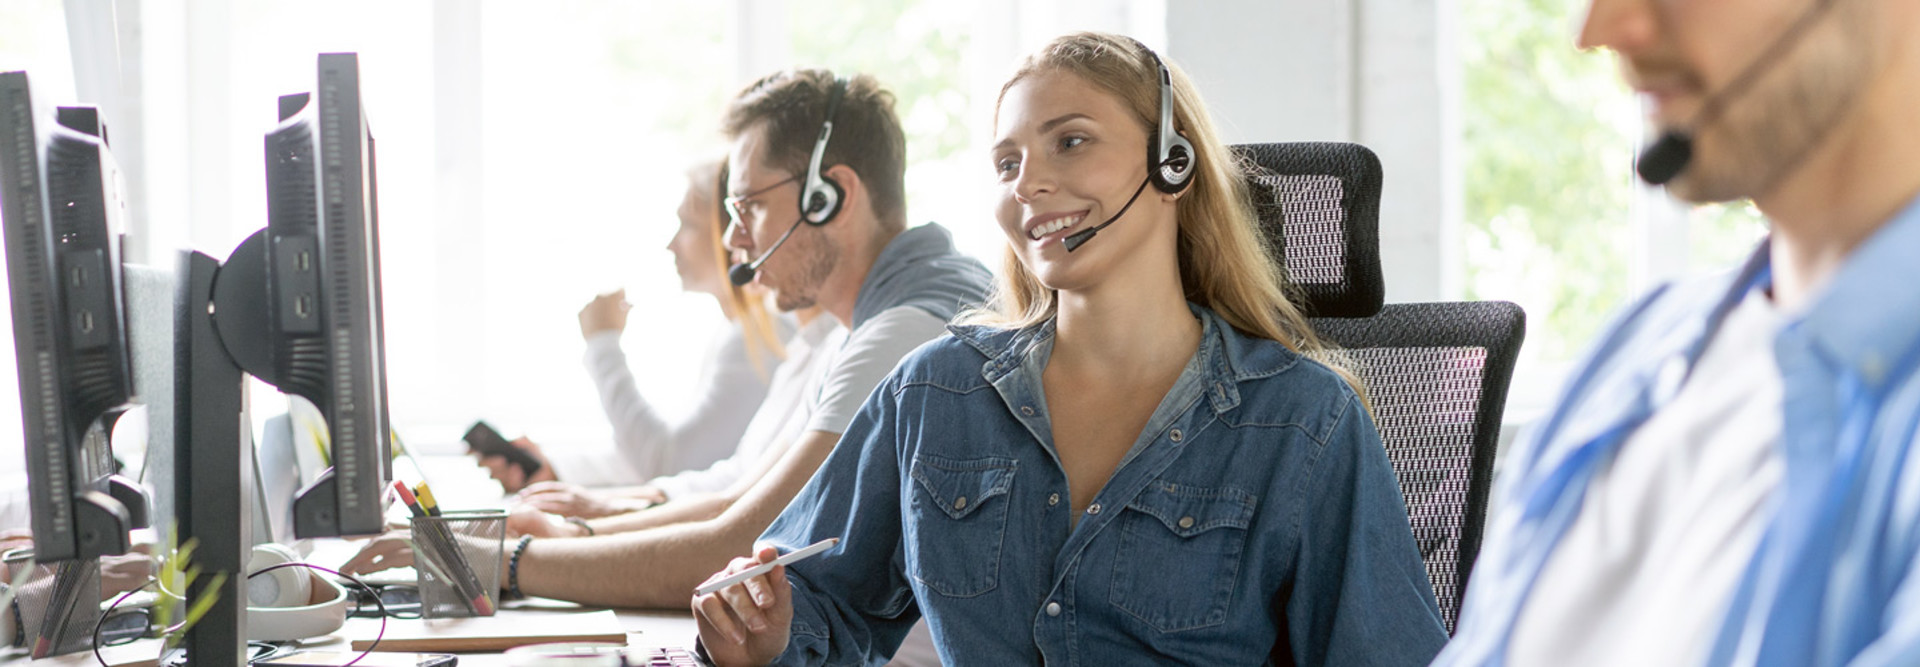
(1169, 155)
(820, 197)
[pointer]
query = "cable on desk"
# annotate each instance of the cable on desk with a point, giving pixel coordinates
(355, 580)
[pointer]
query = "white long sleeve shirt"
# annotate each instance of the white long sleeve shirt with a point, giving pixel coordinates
(782, 416)
(647, 443)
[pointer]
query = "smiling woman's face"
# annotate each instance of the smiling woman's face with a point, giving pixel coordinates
(1068, 155)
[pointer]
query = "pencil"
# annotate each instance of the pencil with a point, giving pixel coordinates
(790, 558)
(444, 551)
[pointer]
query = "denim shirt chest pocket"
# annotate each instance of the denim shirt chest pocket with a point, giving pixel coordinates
(959, 522)
(1179, 557)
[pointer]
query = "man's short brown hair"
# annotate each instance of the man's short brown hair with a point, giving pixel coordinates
(792, 104)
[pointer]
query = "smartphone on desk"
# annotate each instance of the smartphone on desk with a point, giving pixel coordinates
(488, 442)
(336, 658)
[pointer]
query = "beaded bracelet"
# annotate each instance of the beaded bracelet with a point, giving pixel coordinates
(513, 569)
(582, 523)
(19, 621)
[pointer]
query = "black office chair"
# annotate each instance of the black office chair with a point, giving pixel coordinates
(1436, 374)
(1319, 209)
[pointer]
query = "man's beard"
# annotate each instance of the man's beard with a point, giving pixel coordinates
(819, 258)
(1764, 135)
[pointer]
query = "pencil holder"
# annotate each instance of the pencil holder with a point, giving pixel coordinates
(458, 557)
(58, 606)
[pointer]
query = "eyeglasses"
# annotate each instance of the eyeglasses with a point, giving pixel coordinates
(744, 207)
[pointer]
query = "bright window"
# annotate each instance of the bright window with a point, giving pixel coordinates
(1554, 218)
(33, 37)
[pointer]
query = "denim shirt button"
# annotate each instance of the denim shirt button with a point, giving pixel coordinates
(1177, 435)
(1093, 509)
(1026, 410)
(1053, 499)
(960, 503)
(1053, 609)
(1186, 522)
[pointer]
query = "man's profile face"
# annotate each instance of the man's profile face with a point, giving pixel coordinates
(1679, 54)
(764, 202)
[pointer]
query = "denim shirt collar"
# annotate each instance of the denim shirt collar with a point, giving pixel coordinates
(1228, 357)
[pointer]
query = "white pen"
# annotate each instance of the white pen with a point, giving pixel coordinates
(790, 558)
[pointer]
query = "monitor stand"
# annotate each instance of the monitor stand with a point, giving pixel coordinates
(214, 493)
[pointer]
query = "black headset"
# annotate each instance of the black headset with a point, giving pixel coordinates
(821, 197)
(1169, 155)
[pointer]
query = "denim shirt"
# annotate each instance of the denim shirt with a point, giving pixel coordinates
(1832, 580)
(1256, 520)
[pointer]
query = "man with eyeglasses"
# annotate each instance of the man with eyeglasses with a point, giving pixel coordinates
(892, 288)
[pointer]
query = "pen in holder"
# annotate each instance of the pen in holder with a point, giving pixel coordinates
(457, 554)
(59, 604)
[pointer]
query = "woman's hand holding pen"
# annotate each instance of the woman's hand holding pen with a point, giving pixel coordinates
(747, 623)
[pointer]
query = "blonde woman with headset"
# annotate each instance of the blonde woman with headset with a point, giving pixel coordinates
(1130, 456)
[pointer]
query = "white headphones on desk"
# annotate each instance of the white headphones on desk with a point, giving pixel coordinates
(280, 604)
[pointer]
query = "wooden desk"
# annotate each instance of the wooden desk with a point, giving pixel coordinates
(645, 629)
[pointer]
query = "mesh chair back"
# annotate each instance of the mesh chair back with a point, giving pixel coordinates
(1436, 375)
(1319, 209)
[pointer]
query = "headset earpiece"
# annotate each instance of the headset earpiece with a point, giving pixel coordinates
(823, 201)
(821, 197)
(1170, 157)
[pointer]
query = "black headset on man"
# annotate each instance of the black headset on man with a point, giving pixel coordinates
(820, 197)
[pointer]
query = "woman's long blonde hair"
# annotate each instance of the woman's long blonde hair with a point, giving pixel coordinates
(1225, 265)
(748, 308)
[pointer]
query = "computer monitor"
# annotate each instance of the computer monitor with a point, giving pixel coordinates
(61, 205)
(296, 305)
(323, 289)
(60, 213)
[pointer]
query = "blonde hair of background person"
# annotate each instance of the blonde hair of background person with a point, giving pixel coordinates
(746, 304)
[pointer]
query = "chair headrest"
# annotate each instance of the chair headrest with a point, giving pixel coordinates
(1319, 210)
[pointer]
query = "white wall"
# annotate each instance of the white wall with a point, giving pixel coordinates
(1377, 72)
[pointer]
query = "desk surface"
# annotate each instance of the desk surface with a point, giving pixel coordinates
(465, 485)
(645, 629)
